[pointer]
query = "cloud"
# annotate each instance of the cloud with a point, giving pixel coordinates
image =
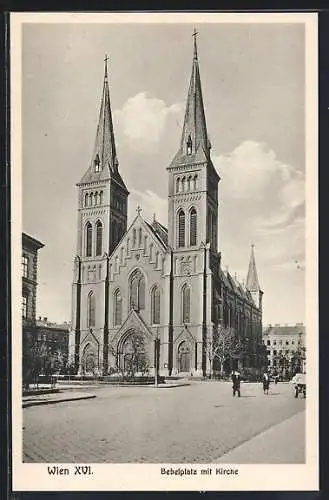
(252, 169)
(143, 119)
(271, 196)
(150, 203)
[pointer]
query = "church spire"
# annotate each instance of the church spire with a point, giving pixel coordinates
(104, 163)
(104, 155)
(194, 134)
(252, 283)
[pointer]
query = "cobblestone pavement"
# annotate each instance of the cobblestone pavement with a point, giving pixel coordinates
(196, 423)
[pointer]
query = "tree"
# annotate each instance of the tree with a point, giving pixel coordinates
(36, 359)
(132, 360)
(224, 346)
(297, 360)
(282, 363)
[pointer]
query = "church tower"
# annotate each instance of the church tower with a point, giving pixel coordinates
(252, 283)
(102, 221)
(192, 233)
(193, 180)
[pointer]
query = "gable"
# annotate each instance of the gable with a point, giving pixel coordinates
(139, 246)
(132, 322)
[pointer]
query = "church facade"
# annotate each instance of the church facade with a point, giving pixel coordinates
(149, 293)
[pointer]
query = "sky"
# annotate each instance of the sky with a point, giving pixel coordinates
(253, 89)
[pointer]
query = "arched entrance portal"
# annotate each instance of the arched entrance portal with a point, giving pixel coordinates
(134, 358)
(89, 360)
(184, 357)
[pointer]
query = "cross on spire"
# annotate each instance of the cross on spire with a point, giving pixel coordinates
(194, 34)
(138, 210)
(105, 61)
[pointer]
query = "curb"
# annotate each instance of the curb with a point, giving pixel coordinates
(26, 404)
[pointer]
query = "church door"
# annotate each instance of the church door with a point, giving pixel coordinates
(184, 356)
(89, 362)
(134, 356)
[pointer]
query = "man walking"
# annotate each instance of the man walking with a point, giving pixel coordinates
(236, 379)
(266, 383)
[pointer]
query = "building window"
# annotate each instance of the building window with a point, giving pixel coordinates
(155, 306)
(89, 237)
(181, 229)
(97, 164)
(86, 199)
(274, 342)
(117, 308)
(177, 185)
(186, 299)
(140, 238)
(134, 238)
(287, 342)
(195, 182)
(183, 184)
(274, 352)
(91, 309)
(189, 183)
(268, 342)
(24, 306)
(189, 146)
(137, 291)
(99, 238)
(25, 266)
(193, 227)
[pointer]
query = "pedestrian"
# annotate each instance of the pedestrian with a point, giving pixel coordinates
(266, 383)
(236, 379)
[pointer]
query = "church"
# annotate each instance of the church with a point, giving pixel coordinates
(146, 292)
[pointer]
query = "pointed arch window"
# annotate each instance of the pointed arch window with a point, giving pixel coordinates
(117, 308)
(183, 184)
(181, 229)
(99, 238)
(195, 182)
(91, 310)
(155, 306)
(86, 199)
(193, 227)
(186, 304)
(137, 291)
(97, 163)
(189, 183)
(140, 237)
(177, 185)
(101, 197)
(89, 239)
(189, 146)
(134, 238)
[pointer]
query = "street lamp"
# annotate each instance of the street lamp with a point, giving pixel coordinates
(156, 355)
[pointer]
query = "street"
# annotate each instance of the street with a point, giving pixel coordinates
(197, 423)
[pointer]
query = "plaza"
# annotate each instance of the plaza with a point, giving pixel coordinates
(196, 423)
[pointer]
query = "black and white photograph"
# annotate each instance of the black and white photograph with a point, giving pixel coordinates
(165, 287)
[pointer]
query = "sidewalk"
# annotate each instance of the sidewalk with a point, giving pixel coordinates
(167, 385)
(283, 443)
(57, 397)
